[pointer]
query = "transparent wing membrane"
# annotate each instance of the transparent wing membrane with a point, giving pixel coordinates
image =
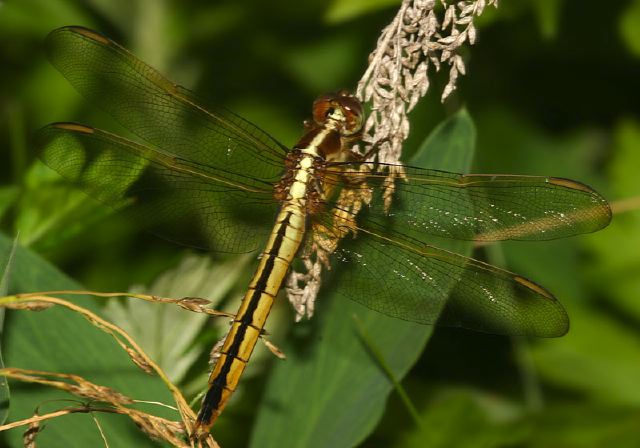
(428, 285)
(484, 207)
(162, 113)
(165, 195)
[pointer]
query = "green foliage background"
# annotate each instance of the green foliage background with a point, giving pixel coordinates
(552, 87)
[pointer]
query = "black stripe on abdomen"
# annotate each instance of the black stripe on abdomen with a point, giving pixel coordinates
(213, 396)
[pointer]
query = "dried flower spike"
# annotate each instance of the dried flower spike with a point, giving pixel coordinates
(414, 44)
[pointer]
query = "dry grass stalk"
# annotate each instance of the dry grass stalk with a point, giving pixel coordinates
(81, 388)
(157, 428)
(138, 356)
(195, 304)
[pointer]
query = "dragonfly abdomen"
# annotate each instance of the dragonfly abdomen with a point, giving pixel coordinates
(245, 330)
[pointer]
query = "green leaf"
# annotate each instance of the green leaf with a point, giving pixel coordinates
(618, 247)
(6, 260)
(585, 426)
(624, 176)
(343, 10)
(598, 357)
(629, 27)
(8, 196)
(167, 333)
(51, 210)
(331, 391)
(120, 13)
(59, 340)
(487, 422)
(37, 17)
(450, 146)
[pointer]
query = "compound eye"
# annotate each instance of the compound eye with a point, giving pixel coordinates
(322, 107)
(353, 113)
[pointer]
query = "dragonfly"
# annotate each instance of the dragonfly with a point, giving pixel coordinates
(204, 177)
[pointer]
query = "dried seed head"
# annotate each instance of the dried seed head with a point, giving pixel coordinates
(398, 74)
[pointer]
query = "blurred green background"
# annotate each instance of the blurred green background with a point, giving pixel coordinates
(552, 86)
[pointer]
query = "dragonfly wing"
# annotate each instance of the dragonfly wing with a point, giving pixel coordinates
(421, 283)
(181, 201)
(161, 113)
(483, 207)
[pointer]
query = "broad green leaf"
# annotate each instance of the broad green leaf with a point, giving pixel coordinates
(331, 391)
(59, 340)
(450, 146)
(51, 210)
(167, 333)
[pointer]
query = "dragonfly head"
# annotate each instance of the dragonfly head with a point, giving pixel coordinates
(341, 107)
